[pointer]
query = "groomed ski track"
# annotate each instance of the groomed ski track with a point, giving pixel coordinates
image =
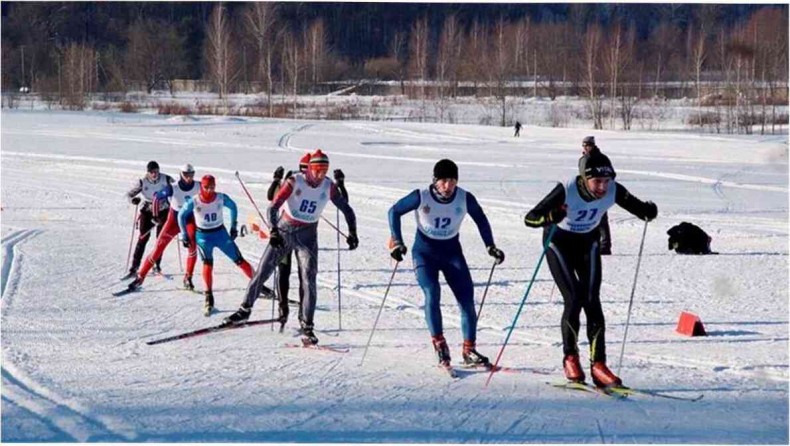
(76, 367)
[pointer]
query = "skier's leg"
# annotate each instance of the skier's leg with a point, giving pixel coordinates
(206, 248)
(161, 219)
(590, 281)
(606, 235)
(563, 274)
(428, 278)
(145, 233)
(169, 231)
(456, 272)
(230, 249)
(266, 266)
(192, 256)
(283, 284)
(306, 250)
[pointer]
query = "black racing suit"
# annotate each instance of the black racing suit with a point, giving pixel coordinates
(575, 263)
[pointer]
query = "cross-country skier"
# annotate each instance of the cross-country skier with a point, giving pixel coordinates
(185, 188)
(149, 217)
(574, 256)
(207, 207)
(440, 209)
(589, 147)
(306, 195)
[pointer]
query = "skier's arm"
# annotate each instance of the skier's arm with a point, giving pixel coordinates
(406, 204)
(549, 210)
(341, 203)
(134, 191)
(273, 210)
(234, 211)
(183, 215)
(477, 214)
(644, 210)
(165, 193)
(273, 190)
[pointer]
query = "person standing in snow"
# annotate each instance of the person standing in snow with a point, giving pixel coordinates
(518, 129)
(185, 188)
(284, 267)
(589, 147)
(305, 196)
(574, 256)
(207, 207)
(440, 209)
(149, 217)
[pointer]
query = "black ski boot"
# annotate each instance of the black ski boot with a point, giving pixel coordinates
(135, 284)
(188, 285)
(239, 317)
(472, 358)
(308, 336)
(132, 273)
(442, 350)
(209, 305)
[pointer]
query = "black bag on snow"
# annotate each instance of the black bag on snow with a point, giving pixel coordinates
(687, 238)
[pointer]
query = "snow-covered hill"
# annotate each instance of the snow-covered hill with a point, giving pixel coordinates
(76, 367)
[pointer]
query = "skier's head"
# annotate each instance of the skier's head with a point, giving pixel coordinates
(207, 187)
(187, 173)
(445, 177)
(153, 170)
(319, 165)
(588, 144)
(597, 172)
(304, 162)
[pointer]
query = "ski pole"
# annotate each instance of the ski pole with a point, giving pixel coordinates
(523, 301)
(131, 238)
(180, 265)
(553, 287)
(251, 200)
(365, 353)
(333, 226)
(339, 302)
(483, 300)
(631, 301)
(276, 299)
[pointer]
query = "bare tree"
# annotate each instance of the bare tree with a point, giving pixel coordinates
(447, 59)
(699, 54)
(397, 49)
(619, 56)
(418, 53)
(592, 72)
(154, 53)
(222, 58)
(292, 64)
(259, 19)
(316, 50)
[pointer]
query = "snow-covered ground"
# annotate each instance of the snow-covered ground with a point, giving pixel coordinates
(76, 367)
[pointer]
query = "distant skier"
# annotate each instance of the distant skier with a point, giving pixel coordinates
(589, 147)
(207, 207)
(518, 129)
(306, 195)
(149, 217)
(440, 209)
(574, 257)
(184, 189)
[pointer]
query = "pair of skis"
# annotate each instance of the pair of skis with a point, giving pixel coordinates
(620, 392)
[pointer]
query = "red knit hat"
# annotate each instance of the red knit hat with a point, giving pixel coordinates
(303, 163)
(319, 161)
(205, 182)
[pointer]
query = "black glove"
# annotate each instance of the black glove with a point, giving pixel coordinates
(398, 251)
(339, 175)
(289, 174)
(276, 240)
(135, 201)
(353, 241)
(234, 233)
(278, 173)
(557, 215)
(185, 241)
(496, 253)
(651, 211)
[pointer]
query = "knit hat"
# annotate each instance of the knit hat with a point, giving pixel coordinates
(319, 161)
(588, 140)
(596, 165)
(445, 169)
(152, 165)
(303, 162)
(205, 182)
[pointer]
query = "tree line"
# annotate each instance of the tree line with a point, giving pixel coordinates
(612, 55)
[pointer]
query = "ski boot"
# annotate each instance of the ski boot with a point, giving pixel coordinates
(208, 307)
(132, 273)
(573, 369)
(308, 336)
(135, 284)
(239, 317)
(606, 250)
(472, 358)
(188, 285)
(442, 351)
(603, 377)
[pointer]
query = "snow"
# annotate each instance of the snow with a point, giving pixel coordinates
(75, 366)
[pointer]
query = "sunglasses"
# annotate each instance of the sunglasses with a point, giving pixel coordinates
(188, 174)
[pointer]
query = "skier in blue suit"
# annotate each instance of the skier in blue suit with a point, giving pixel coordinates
(440, 209)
